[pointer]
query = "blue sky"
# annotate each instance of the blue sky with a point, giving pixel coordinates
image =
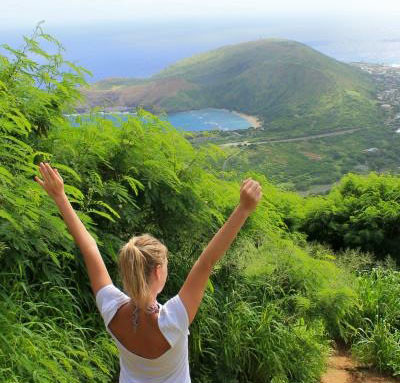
(132, 38)
(20, 13)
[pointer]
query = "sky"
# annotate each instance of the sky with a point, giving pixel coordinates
(21, 13)
(138, 38)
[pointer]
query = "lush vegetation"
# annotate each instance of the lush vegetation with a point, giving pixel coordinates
(296, 91)
(292, 88)
(306, 165)
(359, 212)
(275, 304)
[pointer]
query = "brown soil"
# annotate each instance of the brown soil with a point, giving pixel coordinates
(343, 369)
(150, 93)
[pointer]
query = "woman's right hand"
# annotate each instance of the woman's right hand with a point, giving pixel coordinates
(250, 194)
(52, 182)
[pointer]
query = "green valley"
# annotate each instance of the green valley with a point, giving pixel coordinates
(311, 163)
(320, 118)
(292, 88)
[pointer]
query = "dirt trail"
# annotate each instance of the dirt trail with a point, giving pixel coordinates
(343, 369)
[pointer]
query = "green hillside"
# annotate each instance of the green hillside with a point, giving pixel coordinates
(286, 84)
(276, 304)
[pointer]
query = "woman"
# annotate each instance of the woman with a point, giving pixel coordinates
(152, 338)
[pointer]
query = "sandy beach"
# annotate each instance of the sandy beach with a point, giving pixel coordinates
(254, 121)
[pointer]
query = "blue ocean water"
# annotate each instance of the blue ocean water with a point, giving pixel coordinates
(193, 120)
(142, 49)
(208, 119)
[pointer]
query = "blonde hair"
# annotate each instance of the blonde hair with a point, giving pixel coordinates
(137, 259)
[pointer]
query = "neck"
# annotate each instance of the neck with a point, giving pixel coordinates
(152, 301)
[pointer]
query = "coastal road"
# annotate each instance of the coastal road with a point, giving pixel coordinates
(305, 138)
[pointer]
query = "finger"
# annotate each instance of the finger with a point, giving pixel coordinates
(243, 186)
(39, 181)
(257, 187)
(253, 187)
(255, 191)
(245, 182)
(249, 185)
(44, 172)
(252, 183)
(51, 172)
(58, 174)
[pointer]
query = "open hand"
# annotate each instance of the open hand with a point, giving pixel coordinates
(52, 181)
(250, 194)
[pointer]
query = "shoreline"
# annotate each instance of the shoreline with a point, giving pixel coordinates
(253, 120)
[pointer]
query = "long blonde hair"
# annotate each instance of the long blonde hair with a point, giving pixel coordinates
(137, 259)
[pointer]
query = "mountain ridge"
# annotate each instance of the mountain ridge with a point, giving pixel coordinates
(284, 83)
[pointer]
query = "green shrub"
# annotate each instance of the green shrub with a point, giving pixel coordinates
(360, 212)
(312, 288)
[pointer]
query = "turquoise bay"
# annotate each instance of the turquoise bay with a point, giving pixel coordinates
(193, 120)
(208, 119)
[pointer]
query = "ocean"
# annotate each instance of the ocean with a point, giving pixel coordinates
(194, 120)
(208, 119)
(141, 49)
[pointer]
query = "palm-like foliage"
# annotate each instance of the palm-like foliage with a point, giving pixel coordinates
(271, 306)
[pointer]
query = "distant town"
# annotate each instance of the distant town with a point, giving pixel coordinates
(388, 95)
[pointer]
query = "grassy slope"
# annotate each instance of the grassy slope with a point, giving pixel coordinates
(304, 164)
(290, 86)
(287, 84)
(294, 89)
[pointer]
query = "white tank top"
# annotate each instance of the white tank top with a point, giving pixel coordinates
(173, 321)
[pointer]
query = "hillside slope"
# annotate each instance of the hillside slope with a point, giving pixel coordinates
(285, 83)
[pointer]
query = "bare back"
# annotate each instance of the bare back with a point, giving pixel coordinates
(147, 342)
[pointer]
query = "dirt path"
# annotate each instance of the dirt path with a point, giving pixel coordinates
(343, 369)
(305, 138)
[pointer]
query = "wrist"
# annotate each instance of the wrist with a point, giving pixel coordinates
(60, 198)
(244, 210)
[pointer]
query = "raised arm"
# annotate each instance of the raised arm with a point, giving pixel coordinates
(192, 290)
(53, 184)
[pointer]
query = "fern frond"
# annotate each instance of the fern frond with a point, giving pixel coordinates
(134, 184)
(108, 207)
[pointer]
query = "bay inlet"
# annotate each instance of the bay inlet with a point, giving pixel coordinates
(195, 120)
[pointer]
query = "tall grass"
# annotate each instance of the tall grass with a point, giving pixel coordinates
(377, 339)
(308, 286)
(238, 340)
(48, 341)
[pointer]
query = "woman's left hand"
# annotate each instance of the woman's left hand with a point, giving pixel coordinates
(52, 181)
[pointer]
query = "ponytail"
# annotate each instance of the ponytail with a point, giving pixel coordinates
(137, 258)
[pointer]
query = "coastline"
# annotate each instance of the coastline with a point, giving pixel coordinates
(254, 121)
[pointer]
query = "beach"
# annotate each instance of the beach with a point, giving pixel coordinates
(254, 121)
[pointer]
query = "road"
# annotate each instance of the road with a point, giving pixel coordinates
(305, 138)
